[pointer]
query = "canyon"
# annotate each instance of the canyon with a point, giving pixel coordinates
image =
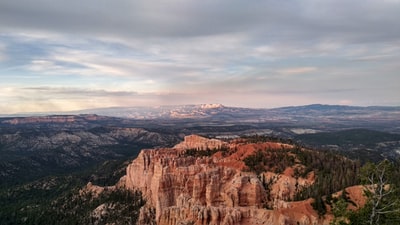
(218, 188)
(223, 176)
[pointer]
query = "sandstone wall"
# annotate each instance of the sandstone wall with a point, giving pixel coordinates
(188, 190)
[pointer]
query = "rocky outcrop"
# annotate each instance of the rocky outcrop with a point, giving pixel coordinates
(200, 143)
(208, 190)
(171, 183)
(284, 186)
(95, 190)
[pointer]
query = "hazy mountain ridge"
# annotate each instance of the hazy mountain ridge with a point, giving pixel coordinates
(316, 116)
(310, 115)
(212, 109)
(169, 112)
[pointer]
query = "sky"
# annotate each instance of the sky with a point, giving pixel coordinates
(70, 55)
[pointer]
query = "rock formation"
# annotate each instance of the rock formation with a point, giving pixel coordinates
(214, 190)
(200, 143)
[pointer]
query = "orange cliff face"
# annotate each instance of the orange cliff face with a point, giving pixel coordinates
(214, 189)
(200, 143)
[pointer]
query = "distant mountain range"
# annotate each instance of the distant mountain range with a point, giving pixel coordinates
(316, 116)
(218, 110)
(372, 117)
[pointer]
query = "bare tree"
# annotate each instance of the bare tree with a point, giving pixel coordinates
(382, 193)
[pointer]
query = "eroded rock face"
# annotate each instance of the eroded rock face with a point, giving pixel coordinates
(164, 177)
(208, 190)
(201, 143)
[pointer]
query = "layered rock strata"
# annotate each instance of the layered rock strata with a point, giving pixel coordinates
(208, 190)
(200, 143)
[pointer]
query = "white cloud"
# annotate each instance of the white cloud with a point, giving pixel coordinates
(3, 54)
(45, 66)
(297, 70)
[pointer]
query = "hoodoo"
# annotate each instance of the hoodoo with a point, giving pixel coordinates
(205, 181)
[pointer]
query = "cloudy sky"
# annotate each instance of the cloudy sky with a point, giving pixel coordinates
(68, 55)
